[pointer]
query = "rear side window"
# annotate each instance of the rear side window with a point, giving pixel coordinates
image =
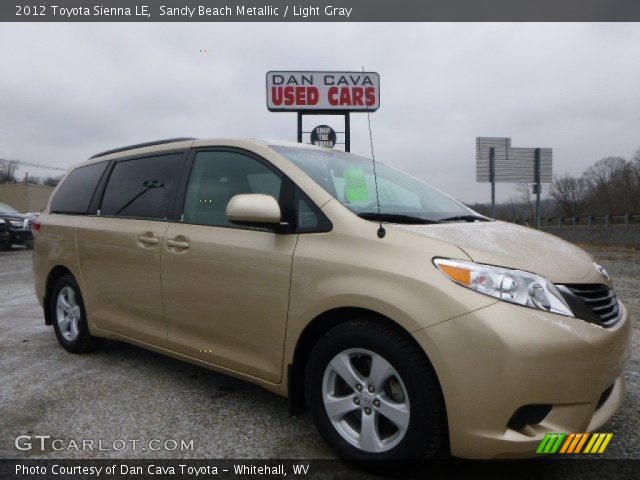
(142, 187)
(75, 193)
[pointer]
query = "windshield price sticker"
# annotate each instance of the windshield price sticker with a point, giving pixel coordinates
(355, 184)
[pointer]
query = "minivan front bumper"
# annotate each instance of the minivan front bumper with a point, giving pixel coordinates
(493, 361)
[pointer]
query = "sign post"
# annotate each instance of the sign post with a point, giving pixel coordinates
(323, 93)
(492, 178)
(538, 187)
(498, 161)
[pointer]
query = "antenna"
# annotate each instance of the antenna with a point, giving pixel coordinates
(381, 231)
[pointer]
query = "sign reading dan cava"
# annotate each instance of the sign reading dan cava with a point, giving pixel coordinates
(344, 91)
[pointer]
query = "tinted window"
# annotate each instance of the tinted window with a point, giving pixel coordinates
(76, 191)
(216, 177)
(141, 187)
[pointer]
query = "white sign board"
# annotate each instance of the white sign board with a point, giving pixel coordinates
(512, 164)
(337, 91)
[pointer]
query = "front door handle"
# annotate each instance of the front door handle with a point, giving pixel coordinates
(179, 243)
(149, 238)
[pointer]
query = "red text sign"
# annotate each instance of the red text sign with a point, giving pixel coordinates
(345, 91)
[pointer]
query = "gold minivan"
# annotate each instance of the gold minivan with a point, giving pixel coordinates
(407, 324)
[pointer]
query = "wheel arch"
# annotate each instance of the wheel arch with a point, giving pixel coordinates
(319, 326)
(56, 272)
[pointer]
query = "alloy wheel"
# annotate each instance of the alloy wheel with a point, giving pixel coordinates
(68, 314)
(366, 400)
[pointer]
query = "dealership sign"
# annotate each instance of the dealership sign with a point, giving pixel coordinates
(338, 91)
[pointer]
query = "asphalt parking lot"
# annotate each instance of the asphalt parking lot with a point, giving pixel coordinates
(124, 392)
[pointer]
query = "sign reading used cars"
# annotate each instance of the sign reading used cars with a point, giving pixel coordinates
(341, 91)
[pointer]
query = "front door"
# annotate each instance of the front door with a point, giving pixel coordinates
(225, 287)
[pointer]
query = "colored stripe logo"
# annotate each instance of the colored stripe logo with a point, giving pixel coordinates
(574, 443)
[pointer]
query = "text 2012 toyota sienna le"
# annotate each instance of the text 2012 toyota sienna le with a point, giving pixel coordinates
(264, 260)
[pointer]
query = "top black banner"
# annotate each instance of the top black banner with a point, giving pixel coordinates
(320, 11)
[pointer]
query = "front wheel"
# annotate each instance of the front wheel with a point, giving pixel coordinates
(374, 395)
(70, 318)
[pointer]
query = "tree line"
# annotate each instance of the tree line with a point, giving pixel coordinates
(8, 174)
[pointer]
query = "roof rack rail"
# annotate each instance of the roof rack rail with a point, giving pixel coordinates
(141, 145)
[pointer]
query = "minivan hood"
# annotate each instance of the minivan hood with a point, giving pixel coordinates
(513, 246)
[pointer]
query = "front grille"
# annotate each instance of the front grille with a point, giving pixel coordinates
(593, 302)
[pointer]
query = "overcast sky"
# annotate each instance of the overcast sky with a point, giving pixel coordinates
(70, 90)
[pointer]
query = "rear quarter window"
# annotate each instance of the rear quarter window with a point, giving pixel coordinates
(77, 189)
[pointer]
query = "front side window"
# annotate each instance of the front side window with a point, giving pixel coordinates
(77, 189)
(349, 178)
(309, 218)
(142, 187)
(216, 177)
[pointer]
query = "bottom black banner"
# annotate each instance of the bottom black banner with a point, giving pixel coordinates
(329, 469)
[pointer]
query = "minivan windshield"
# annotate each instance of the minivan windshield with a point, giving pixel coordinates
(403, 198)
(4, 208)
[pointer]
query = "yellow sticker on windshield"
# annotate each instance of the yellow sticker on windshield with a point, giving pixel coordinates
(355, 184)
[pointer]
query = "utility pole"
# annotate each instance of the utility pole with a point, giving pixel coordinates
(537, 187)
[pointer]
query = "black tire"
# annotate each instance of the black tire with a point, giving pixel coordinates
(29, 244)
(83, 341)
(6, 246)
(426, 435)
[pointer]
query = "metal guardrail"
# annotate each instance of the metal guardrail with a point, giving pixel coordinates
(625, 221)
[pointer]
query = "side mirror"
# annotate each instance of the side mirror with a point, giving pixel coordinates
(254, 209)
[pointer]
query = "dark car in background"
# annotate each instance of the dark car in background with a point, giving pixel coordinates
(5, 237)
(19, 226)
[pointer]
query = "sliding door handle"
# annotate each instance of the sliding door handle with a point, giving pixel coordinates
(148, 239)
(178, 244)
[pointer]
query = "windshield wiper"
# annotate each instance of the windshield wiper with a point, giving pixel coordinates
(465, 218)
(396, 218)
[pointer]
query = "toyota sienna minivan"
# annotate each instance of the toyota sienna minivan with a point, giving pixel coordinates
(406, 323)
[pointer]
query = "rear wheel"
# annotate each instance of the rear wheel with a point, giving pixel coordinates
(69, 317)
(374, 395)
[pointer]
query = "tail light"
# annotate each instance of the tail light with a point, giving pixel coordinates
(35, 228)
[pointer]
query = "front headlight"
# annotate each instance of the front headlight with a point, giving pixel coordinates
(514, 286)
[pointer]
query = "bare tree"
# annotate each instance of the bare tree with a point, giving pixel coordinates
(636, 158)
(610, 182)
(8, 171)
(569, 193)
(636, 168)
(525, 201)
